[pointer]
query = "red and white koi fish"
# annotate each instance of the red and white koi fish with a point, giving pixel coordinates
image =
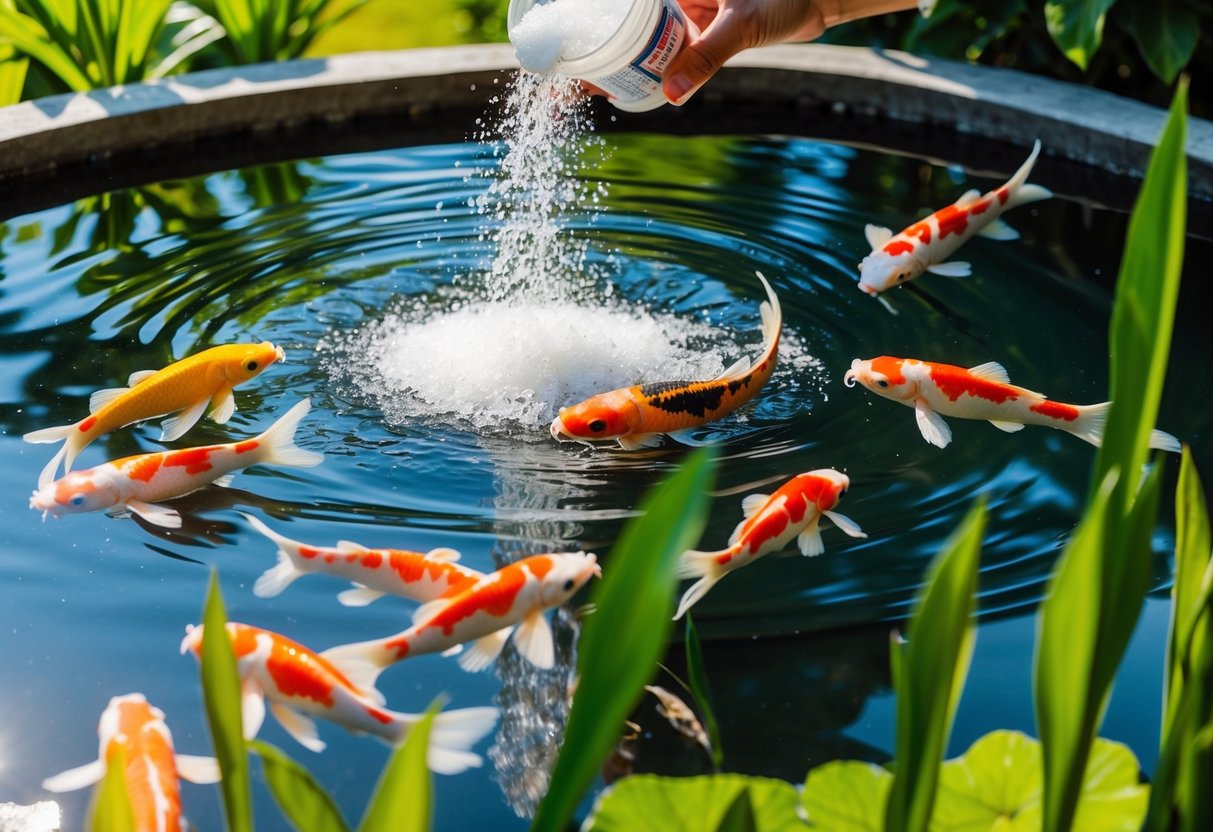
(982, 392)
(152, 768)
(639, 415)
(374, 572)
(138, 483)
(771, 523)
(190, 386)
(928, 243)
(511, 600)
(299, 684)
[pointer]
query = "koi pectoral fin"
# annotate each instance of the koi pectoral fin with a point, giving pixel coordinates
(933, 427)
(359, 596)
(640, 440)
(810, 542)
(485, 650)
(197, 769)
(534, 641)
(252, 709)
(175, 427)
(157, 515)
(998, 230)
(302, 729)
(876, 235)
(956, 268)
(845, 524)
(75, 778)
(1009, 427)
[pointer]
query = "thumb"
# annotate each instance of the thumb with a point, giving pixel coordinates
(703, 56)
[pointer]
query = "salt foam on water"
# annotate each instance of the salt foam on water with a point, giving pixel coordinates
(565, 29)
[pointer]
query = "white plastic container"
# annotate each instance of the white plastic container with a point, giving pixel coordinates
(629, 63)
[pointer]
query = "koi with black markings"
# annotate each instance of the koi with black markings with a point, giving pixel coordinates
(638, 416)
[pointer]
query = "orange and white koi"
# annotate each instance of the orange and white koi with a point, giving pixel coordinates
(983, 392)
(139, 483)
(375, 572)
(190, 386)
(299, 684)
(509, 601)
(130, 724)
(771, 522)
(928, 243)
(638, 416)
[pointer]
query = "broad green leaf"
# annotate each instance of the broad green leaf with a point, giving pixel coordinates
(1076, 26)
(996, 786)
(693, 804)
(111, 809)
(697, 679)
(404, 799)
(12, 75)
(1166, 32)
(931, 670)
(303, 801)
(221, 696)
(623, 640)
(847, 796)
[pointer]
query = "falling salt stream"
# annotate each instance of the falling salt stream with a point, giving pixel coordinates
(506, 347)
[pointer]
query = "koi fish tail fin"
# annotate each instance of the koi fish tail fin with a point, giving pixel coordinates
(360, 663)
(48, 435)
(452, 737)
(1021, 191)
(278, 446)
(278, 577)
(772, 317)
(1093, 419)
(701, 565)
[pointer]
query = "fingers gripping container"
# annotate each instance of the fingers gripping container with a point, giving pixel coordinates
(630, 62)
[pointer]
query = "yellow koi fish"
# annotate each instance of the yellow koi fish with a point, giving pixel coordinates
(188, 387)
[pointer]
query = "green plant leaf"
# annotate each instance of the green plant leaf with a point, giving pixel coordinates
(847, 796)
(931, 672)
(111, 809)
(996, 785)
(12, 75)
(694, 804)
(221, 696)
(404, 798)
(1076, 26)
(1166, 33)
(623, 640)
(697, 679)
(739, 817)
(302, 800)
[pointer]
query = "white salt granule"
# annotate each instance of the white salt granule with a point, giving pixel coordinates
(565, 30)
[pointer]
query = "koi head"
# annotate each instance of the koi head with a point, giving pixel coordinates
(605, 416)
(881, 270)
(569, 572)
(249, 360)
(830, 487)
(75, 493)
(884, 376)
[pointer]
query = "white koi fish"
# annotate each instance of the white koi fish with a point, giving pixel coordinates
(152, 768)
(983, 392)
(300, 684)
(771, 523)
(511, 600)
(928, 243)
(139, 483)
(374, 572)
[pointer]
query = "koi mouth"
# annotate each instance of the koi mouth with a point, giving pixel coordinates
(280, 353)
(868, 290)
(43, 503)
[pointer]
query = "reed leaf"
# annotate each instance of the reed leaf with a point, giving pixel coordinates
(1099, 585)
(303, 801)
(221, 696)
(404, 799)
(111, 809)
(624, 639)
(697, 680)
(930, 674)
(12, 75)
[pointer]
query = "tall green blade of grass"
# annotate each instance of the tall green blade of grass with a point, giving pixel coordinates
(624, 639)
(303, 801)
(12, 75)
(111, 810)
(1102, 577)
(221, 696)
(930, 674)
(1184, 770)
(404, 799)
(28, 36)
(697, 679)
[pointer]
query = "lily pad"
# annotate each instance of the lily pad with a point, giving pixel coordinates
(847, 796)
(692, 804)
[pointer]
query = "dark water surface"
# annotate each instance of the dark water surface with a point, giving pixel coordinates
(309, 253)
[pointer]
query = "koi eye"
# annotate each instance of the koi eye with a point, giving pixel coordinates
(597, 426)
(568, 585)
(251, 366)
(882, 383)
(78, 500)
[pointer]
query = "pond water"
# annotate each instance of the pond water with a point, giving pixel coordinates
(431, 399)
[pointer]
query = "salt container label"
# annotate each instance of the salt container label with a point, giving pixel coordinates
(642, 77)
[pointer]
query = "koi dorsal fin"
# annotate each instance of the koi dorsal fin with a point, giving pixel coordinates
(101, 398)
(349, 547)
(877, 235)
(426, 612)
(753, 503)
(968, 198)
(991, 371)
(140, 376)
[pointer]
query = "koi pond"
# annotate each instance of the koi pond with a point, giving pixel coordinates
(380, 274)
